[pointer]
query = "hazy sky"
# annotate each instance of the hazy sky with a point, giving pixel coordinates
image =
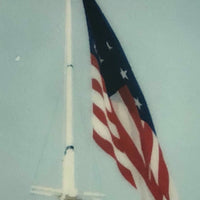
(161, 41)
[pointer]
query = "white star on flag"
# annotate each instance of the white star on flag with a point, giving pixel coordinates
(137, 103)
(101, 60)
(95, 48)
(123, 73)
(108, 45)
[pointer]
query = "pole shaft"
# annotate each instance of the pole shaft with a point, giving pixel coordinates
(68, 161)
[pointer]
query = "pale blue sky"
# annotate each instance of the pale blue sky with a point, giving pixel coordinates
(161, 41)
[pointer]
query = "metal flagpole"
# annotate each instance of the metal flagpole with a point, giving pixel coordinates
(68, 190)
(68, 182)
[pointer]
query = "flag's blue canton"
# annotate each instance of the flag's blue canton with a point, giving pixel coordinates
(113, 63)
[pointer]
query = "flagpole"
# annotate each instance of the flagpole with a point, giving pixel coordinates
(68, 179)
(68, 190)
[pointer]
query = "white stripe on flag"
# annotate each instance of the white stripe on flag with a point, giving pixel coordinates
(97, 76)
(173, 195)
(154, 163)
(99, 101)
(125, 118)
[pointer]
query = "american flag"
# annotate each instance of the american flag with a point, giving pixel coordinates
(122, 124)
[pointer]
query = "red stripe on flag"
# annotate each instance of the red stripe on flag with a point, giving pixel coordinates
(96, 86)
(107, 147)
(94, 61)
(163, 175)
(127, 174)
(100, 114)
